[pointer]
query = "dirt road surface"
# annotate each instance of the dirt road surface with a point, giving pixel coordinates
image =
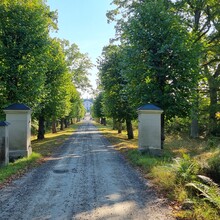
(86, 179)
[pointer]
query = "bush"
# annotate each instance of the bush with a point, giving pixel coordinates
(177, 124)
(212, 143)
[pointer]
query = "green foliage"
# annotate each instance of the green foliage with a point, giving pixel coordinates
(212, 143)
(208, 190)
(35, 69)
(185, 168)
(157, 42)
(57, 84)
(116, 103)
(214, 167)
(24, 35)
(78, 65)
(97, 110)
(177, 125)
(170, 57)
(164, 177)
(202, 18)
(146, 161)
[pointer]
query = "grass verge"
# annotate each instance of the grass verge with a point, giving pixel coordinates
(41, 149)
(18, 168)
(180, 174)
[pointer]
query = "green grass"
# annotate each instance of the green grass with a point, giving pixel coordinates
(19, 167)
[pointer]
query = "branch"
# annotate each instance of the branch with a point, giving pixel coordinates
(217, 72)
(211, 61)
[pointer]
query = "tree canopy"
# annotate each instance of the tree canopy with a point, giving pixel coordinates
(35, 69)
(167, 54)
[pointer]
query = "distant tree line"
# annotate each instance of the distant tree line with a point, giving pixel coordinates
(35, 69)
(166, 53)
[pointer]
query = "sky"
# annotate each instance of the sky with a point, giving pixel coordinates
(84, 22)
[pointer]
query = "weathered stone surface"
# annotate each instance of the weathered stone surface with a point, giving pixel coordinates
(149, 129)
(19, 117)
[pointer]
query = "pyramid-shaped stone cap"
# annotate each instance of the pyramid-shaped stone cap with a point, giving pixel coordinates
(150, 108)
(4, 123)
(17, 106)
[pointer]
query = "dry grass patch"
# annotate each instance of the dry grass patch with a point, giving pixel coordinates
(119, 141)
(183, 144)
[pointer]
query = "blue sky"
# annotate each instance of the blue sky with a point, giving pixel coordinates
(84, 22)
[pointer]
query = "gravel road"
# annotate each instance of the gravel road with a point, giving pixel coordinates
(86, 179)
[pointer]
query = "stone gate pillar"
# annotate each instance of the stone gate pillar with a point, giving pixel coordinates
(4, 143)
(149, 128)
(19, 117)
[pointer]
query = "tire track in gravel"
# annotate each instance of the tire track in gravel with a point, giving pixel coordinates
(86, 179)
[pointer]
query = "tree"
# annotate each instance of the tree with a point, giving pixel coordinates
(58, 89)
(78, 65)
(161, 60)
(97, 109)
(203, 19)
(24, 40)
(115, 99)
(77, 110)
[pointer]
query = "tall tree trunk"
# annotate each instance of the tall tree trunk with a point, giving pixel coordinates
(66, 122)
(62, 124)
(114, 124)
(41, 127)
(119, 124)
(129, 129)
(103, 121)
(194, 129)
(213, 108)
(54, 128)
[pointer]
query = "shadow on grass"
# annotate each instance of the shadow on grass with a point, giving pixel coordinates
(51, 142)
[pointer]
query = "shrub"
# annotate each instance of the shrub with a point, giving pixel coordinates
(177, 124)
(212, 143)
